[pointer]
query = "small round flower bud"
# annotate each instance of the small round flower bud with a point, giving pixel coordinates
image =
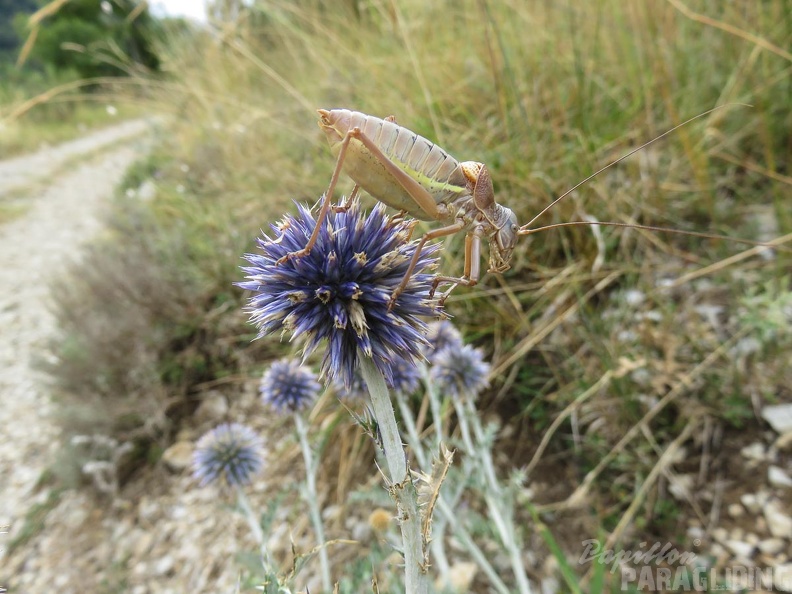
(231, 452)
(460, 371)
(288, 386)
(441, 334)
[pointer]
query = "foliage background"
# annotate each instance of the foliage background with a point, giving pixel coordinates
(544, 94)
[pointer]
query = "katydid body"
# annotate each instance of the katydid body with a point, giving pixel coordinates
(413, 175)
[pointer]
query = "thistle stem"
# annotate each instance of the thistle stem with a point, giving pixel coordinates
(312, 499)
(254, 525)
(467, 416)
(447, 515)
(400, 484)
(435, 404)
(413, 439)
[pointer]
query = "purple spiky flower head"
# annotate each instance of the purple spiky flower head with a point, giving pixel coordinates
(231, 452)
(406, 377)
(340, 291)
(289, 386)
(442, 334)
(460, 371)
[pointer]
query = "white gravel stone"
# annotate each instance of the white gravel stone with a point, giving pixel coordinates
(720, 534)
(178, 457)
(213, 408)
(778, 477)
(784, 442)
(771, 546)
(163, 566)
(756, 451)
(779, 416)
(740, 548)
(753, 502)
(778, 521)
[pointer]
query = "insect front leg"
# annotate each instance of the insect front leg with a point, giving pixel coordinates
(434, 234)
(327, 200)
(472, 270)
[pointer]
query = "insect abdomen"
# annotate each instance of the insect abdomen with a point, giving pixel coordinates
(438, 172)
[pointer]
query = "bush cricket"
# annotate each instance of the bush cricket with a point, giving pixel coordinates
(416, 177)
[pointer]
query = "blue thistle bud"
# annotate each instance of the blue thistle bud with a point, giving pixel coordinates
(460, 371)
(341, 290)
(288, 386)
(406, 377)
(442, 334)
(231, 451)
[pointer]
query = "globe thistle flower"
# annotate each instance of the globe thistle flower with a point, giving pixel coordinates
(460, 371)
(441, 334)
(340, 292)
(288, 386)
(231, 451)
(406, 377)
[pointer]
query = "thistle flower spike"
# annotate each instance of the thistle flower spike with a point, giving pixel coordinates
(230, 452)
(289, 386)
(339, 293)
(460, 371)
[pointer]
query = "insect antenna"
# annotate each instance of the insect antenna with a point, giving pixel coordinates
(526, 230)
(769, 244)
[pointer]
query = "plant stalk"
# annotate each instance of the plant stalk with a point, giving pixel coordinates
(467, 416)
(313, 500)
(447, 516)
(254, 525)
(400, 484)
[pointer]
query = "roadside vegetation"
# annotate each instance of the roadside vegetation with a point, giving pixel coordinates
(613, 331)
(55, 62)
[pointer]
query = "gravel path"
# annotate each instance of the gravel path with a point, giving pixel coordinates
(64, 190)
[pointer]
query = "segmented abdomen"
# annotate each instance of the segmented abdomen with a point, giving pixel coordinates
(433, 168)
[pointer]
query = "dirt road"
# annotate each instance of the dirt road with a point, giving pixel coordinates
(63, 189)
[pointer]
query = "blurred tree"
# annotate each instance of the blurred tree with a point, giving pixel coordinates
(9, 40)
(93, 37)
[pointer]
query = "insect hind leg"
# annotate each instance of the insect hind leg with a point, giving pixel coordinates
(327, 200)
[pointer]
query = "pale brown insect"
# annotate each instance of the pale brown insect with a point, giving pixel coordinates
(416, 177)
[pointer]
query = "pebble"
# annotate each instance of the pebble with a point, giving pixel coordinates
(780, 523)
(682, 486)
(771, 546)
(782, 577)
(720, 534)
(784, 442)
(735, 510)
(756, 451)
(742, 549)
(753, 502)
(778, 477)
(163, 566)
(178, 457)
(213, 408)
(461, 575)
(779, 416)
